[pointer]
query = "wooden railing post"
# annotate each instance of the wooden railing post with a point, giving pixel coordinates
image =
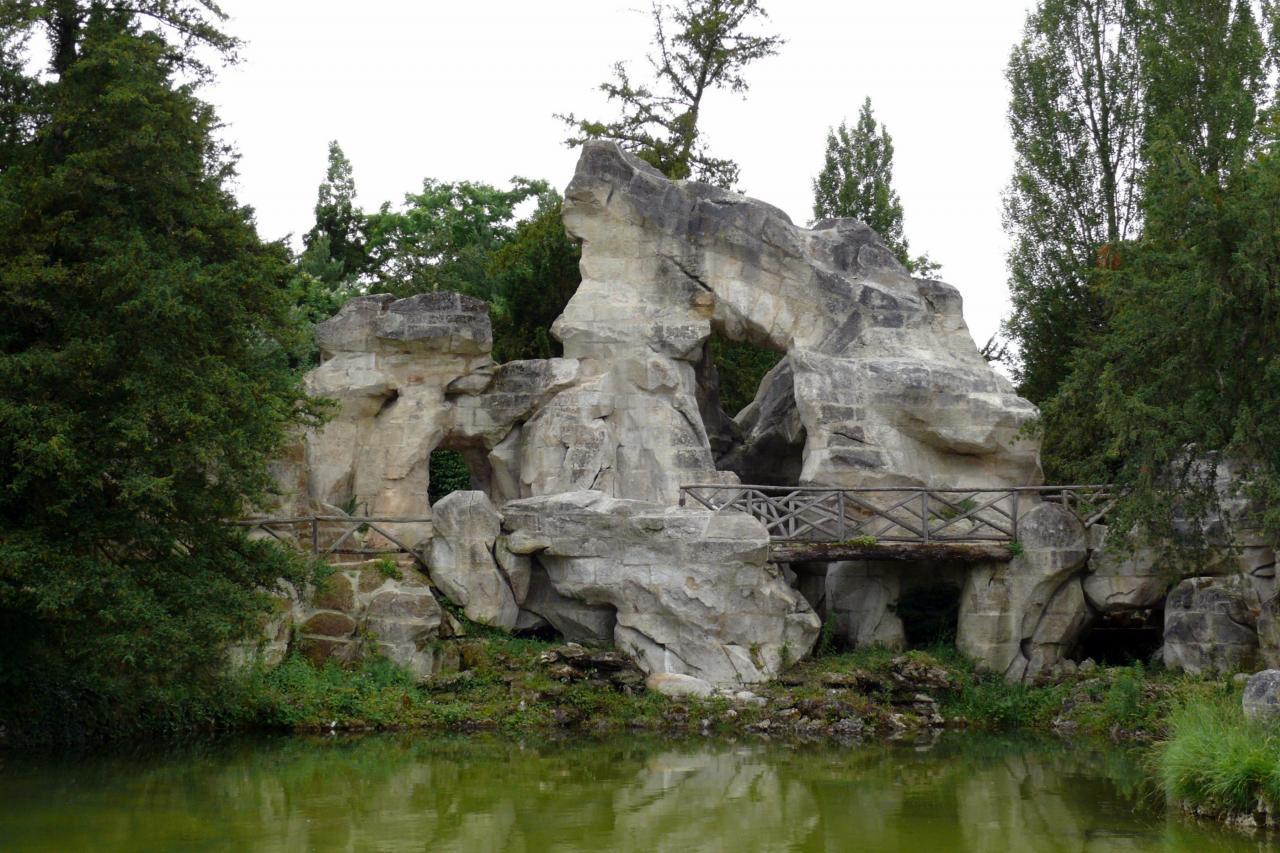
(1014, 512)
(924, 515)
(315, 536)
(844, 533)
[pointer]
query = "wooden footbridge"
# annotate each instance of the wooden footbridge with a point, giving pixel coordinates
(805, 523)
(817, 523)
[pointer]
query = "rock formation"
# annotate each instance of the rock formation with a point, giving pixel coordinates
(577, 461)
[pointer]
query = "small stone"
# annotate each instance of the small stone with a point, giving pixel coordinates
(675, 684)
(1088, 666)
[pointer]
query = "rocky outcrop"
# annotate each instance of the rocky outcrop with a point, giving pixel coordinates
(691, 592)
(375, 607)
(1210, 625)
(1021, 617)
(880, 372)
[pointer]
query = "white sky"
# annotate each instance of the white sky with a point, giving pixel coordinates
(466, 90)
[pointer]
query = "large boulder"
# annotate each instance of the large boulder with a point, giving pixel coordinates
(463, 563)
(691, 591)
(1211, 625)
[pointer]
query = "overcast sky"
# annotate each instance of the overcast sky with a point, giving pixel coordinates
(466, 90)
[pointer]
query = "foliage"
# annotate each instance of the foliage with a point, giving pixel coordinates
(534, 274)
(1215, 759)
(741, 367)
(339, 225)
(701, 46)
(145, 383)
(448, 472)
(445, 237)
(1076, 119)
(188, 26)
(1187, 368)
(856, 182)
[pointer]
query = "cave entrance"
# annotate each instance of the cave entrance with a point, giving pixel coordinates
(1122, 637)
(457, 471)
(763, 444)
(930, 615)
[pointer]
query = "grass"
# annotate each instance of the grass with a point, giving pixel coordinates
(1215, 760)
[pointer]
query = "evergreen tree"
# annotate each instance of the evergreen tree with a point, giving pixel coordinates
(701, 46)
(1076, 116)
(339, 223)
(535, 275)
(144, 386)
(856, 182)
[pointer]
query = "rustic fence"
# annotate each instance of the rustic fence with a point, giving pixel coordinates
(896, 514)
(325, 535)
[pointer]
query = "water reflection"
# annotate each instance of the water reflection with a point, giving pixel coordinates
(966, 793)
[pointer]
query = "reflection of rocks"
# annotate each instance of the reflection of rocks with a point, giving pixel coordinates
(966, 793)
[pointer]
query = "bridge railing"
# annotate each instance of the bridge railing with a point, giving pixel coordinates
(896, 514)
(330, 535)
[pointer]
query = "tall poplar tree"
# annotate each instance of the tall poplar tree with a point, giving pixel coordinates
(339, 223)
(1076, 117)
(856, 182)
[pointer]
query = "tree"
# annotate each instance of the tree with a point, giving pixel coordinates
(445, 236)
(535, 274)
(1076, 116)
(144, 387)
(700, 46)
(856, 182)
(339, 223)
(1184, 368)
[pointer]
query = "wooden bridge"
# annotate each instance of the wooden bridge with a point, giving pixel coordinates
(905, 523)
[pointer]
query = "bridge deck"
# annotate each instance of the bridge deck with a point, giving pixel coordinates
(895, 522)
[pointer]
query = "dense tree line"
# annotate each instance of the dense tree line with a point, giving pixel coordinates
(146, 371)
(1146, 259)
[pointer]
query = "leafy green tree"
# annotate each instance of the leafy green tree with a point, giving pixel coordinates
(1185, 366)
(445, 237)
(340, 225)
(144, 385)
(535, 275)
(700, 46)
(1076, 116)
(856, 182)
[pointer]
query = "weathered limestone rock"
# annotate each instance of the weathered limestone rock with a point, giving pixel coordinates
(1004, 604)
(365, 607)
(691, 590)
(1261, 699)
(674, 684)
(859, 599)
(462, 559)
(1131, 581)
(880, 370)
(1210, 625)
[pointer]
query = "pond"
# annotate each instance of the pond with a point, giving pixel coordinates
(405, 792)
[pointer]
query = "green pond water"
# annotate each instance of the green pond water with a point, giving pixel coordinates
(963, 792)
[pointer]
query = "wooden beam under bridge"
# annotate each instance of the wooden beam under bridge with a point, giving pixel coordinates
(793, 551)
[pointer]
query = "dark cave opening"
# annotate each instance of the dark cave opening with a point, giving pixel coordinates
(930, 615)
(1122, 637)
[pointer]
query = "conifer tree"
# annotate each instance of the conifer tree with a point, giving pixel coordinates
(856, 182)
